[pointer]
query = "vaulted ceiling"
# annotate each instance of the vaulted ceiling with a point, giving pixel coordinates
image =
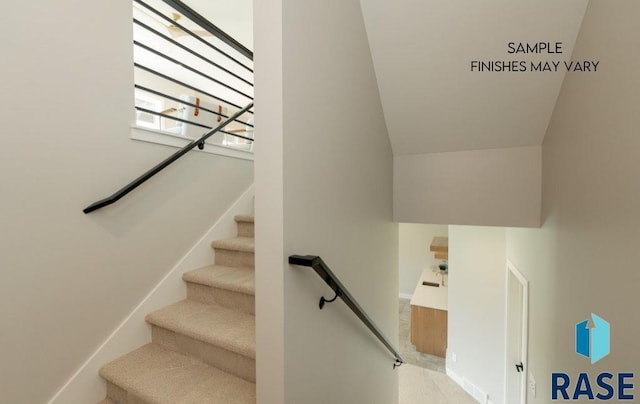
(422, 52)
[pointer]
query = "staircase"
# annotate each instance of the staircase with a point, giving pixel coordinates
(203, 348)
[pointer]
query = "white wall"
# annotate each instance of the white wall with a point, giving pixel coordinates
(269, 233)
(68, 279)
(334, 191)
(414, 256)
(584, 258)
(499, 187)
(477, 270)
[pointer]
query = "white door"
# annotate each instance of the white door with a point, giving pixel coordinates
(516, 337)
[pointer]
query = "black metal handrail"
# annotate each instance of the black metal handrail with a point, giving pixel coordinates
(162, 165)
(223, 84)
(196, 37)
(189, 68)
(172, 98)
(167, 116)
(334, 283)
(182, 83)
(190, 51)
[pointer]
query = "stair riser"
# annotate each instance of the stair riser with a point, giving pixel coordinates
(120, 396)
(232, 258)
(116, 394)
(220, 358)
(246, 229)
(223, 297)
(136, 400)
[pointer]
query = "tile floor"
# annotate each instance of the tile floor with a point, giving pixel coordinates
(423, 378)
(420, 386)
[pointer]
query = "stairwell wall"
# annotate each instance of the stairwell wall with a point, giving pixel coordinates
(477, 272)
(495, 187)
(334, 192)
(68, 279)
(585, 257)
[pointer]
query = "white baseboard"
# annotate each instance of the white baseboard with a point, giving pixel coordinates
(405, 296)
(86, 386)
(455, 377)
(469, 387)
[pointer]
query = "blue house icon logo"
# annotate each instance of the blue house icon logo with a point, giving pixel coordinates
(593, 342)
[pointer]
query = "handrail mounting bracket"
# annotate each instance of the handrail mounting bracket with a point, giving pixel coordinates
(323, 300)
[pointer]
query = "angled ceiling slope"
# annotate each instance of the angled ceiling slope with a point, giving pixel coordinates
(422, 53)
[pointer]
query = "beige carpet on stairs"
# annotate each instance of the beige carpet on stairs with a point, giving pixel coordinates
(203, 348)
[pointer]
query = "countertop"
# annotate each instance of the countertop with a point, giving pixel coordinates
(430, 296)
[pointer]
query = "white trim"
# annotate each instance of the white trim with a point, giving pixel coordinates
(171, 139)
(513, 270)
(405, 295)
(460, 381)
(455, 377)
(85, 385)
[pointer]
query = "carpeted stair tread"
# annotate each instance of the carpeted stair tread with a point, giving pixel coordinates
(106, 401)
(157, 375)
(229, 329)
(246, 244)
(241, 280)
(245, 218)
